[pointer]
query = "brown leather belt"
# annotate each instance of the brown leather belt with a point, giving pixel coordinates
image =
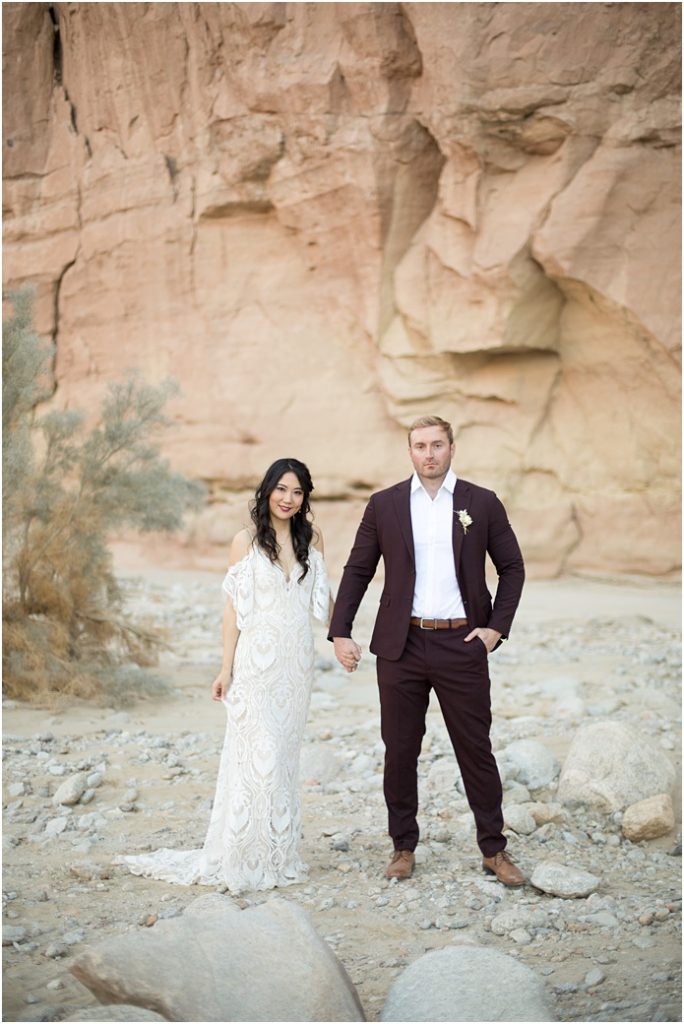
(438, 623)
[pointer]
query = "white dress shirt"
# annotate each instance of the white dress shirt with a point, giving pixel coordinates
(437, 594)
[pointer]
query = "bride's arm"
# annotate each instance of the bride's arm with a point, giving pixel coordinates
(230, 631)
(317, 542)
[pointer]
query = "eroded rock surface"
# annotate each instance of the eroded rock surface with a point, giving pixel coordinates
(325, 219)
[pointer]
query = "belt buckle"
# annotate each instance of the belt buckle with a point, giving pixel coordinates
(432, 627)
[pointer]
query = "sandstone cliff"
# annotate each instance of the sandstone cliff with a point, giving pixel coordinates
(326, 219)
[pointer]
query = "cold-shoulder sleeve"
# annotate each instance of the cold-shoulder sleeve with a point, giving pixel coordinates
(320, 591)
(238, 585)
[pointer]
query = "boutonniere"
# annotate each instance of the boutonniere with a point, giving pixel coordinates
(464, 519)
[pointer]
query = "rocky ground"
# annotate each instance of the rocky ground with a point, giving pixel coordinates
(581, 651)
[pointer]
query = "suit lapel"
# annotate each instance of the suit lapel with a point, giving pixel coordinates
(402, 504)
(461, 501)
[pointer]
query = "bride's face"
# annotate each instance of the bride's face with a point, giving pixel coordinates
(286, 498)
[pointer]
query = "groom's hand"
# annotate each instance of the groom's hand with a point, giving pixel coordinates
(489, 637)
(347, 652)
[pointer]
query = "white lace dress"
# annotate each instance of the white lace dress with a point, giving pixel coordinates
(254, 831)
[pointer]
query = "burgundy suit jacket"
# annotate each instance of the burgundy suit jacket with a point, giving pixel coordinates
(385, 531)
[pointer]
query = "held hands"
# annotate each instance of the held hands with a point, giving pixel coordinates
(489, 637)
(347, 652)
(221, 685)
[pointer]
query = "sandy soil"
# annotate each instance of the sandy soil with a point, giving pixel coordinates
(615, 643)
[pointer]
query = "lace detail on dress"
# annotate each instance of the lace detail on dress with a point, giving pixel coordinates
(253, 837)
(238, 584)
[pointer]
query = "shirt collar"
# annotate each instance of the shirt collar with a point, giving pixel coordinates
(448, 484)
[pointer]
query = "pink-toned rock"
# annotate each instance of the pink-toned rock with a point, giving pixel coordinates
(649, 819)
(325, 219)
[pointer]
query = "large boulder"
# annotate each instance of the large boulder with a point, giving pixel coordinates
(610, 766)
(467, 983)
(262, 964)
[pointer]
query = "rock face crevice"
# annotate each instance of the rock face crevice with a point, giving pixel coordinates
(326, 219)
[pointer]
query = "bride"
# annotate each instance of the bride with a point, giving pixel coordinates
(275, 581)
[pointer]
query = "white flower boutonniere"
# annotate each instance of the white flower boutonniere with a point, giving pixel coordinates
(464, 519)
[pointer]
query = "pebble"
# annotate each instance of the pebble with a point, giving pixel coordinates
(55, 827)
(73, 937)
(594, 977)
(55, 949)
(13, 933)
(71, 790)
(519, 819)
(560, 880)
(55, 985)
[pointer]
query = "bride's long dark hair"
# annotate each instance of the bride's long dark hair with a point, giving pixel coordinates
(300, 525)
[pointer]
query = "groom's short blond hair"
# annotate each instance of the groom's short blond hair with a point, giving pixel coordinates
(431, 421)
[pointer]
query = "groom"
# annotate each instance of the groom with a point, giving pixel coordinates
(435, 629)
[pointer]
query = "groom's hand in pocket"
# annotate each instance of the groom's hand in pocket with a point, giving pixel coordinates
(347, 652)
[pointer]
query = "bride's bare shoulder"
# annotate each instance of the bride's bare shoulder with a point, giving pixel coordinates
(317, 539)
(242, 542)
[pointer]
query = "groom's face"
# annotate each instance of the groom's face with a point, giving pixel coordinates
(430, 452)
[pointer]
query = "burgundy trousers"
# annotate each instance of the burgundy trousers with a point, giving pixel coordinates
(459, 674)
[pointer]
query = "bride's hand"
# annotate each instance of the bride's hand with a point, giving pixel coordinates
(220, 686)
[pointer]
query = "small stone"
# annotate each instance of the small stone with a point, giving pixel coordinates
(94, 780)
(340, 843)
(521, 936)
(559, 880)
(55, 985)
(536, 764)
(519, 819)
(545, 814)
(55, 949)
(31, 998)
(594, 977)
(16, 789)
(73, 937)
(649, 819)
(87, 796)
(55, 827)
(71, 790)
(13, 933)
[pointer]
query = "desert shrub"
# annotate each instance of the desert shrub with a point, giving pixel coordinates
(66, 487)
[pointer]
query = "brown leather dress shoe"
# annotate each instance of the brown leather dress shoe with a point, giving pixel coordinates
(401, 865)
(503, 867)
